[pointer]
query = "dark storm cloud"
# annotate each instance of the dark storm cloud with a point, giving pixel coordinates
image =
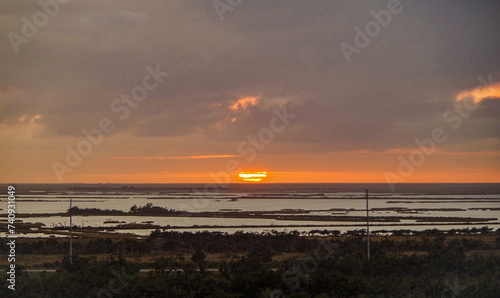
(395, 90)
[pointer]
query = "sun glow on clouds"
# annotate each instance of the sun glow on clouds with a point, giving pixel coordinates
(234, 110)
(480, 93)
(25, 125)
(30, 119)
(242, 104)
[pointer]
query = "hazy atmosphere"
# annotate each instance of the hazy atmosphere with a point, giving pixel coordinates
(172, 91)
(250, 148)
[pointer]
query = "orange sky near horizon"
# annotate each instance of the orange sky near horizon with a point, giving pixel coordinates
(167, 93)
(115, 161)
(490, 176)
(352, 167)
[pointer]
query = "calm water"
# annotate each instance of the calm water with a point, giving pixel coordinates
(318, 199)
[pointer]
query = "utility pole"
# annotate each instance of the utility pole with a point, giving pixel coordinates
(367, 228)
(70, 231)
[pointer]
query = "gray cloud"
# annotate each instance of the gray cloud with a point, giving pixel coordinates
(394, 91)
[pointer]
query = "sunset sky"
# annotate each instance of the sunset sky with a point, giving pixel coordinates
(197, 91)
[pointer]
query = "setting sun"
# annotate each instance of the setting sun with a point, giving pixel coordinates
(252, 176)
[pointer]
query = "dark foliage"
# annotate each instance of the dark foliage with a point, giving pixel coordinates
(441, 268)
